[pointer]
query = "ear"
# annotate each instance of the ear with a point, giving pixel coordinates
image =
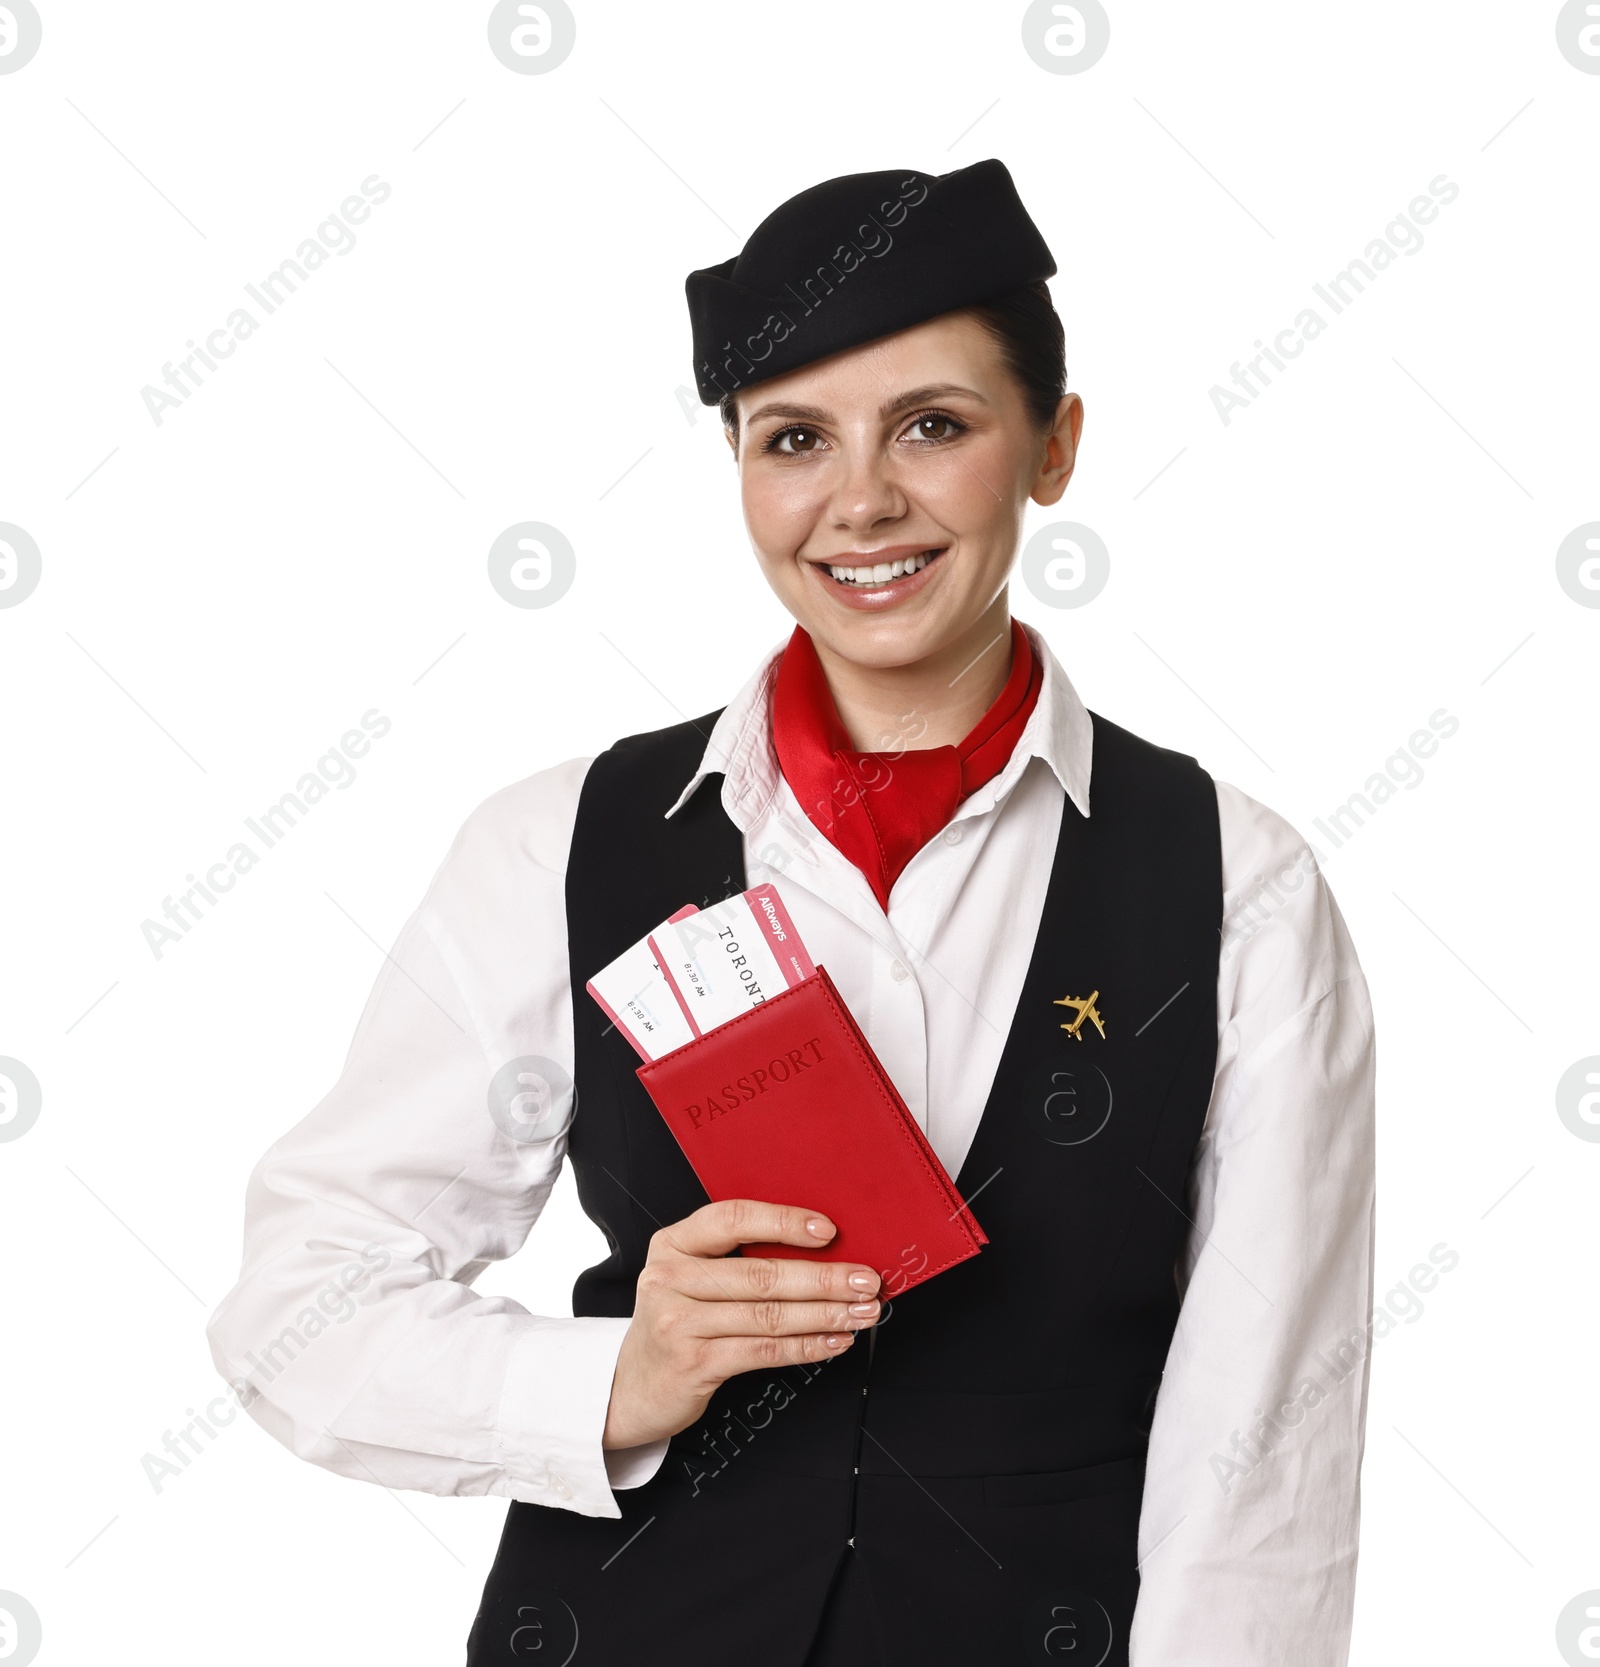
(1060, 452)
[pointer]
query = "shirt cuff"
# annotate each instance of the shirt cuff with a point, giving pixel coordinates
(553, 1415)
(632, 1467)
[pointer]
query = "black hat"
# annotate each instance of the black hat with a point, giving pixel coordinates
(856, 258)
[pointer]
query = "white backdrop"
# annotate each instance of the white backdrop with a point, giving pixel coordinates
(302, 538)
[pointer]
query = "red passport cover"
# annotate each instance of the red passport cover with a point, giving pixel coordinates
(787, 1103)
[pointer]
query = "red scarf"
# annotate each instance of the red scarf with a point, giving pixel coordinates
(881, 808)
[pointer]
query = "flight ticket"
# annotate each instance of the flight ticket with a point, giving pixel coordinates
(701, 967)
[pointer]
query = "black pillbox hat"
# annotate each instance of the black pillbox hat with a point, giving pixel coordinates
(856, 258)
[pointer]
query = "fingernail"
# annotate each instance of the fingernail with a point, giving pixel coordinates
(835, 1341)
(863, 1281)
(864, 1310)
(820, 1228)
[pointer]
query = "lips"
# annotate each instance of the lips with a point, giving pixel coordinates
(883, 582)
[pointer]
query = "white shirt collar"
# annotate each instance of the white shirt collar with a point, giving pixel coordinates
(1059, 731)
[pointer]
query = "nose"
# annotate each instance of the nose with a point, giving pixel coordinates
(866, 493)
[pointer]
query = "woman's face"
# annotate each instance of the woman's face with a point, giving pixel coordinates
(915, 452)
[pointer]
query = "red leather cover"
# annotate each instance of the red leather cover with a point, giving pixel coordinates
(787, 1103)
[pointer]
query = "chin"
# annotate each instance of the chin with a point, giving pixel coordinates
(880, 643)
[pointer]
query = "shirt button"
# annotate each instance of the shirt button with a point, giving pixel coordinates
(560, 1488)
(952, 835)
(899, 972)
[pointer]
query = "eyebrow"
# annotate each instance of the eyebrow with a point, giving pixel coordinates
(900, 402)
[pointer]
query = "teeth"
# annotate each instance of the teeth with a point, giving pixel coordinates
(881, 572)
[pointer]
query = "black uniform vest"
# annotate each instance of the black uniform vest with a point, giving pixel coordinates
(980, 1453)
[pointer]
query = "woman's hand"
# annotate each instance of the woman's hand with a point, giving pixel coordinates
(703, 1316)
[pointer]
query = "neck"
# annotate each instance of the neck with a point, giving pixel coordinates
(931, 703)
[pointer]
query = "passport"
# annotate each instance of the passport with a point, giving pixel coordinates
(787, 1103)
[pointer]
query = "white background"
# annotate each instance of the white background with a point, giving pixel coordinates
(224, 594)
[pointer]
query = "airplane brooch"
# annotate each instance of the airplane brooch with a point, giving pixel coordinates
(1085, 1008)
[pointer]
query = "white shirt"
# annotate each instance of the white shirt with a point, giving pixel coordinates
(401, 1183)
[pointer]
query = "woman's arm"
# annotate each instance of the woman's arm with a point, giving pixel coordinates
(354, 1318)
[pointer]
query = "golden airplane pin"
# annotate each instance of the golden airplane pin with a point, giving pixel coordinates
(1085, 1009)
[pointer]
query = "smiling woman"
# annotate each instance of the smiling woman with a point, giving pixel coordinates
(1019, 1463)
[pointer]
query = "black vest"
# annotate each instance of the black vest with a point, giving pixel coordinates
(981, 1452)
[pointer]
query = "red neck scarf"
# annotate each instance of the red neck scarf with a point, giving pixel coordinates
(880, 808)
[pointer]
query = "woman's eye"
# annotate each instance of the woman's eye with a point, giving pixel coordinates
(794, 440)
(935, 426)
